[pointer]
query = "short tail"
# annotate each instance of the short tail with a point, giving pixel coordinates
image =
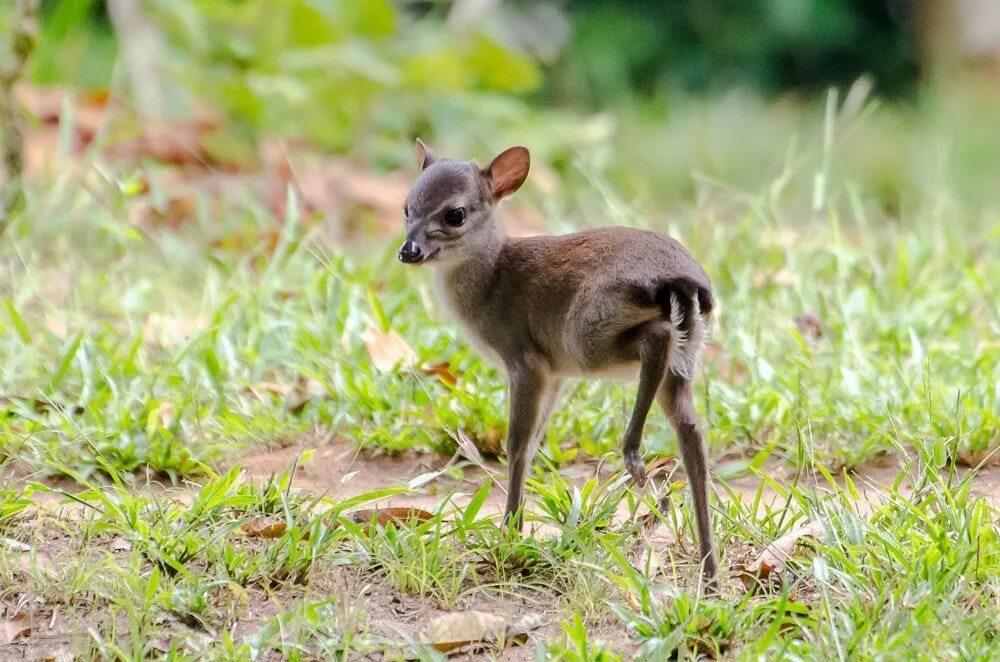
(687, 305)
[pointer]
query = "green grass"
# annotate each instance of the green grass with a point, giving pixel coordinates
(133, 353)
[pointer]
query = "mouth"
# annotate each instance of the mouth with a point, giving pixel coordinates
(422, 259)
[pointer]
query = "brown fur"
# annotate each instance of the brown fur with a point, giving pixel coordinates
(603, 302)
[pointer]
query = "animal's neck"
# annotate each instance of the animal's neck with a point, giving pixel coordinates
(465, 282)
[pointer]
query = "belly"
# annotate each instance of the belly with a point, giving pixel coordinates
(620, 371)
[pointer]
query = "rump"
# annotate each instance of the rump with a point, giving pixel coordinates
(686, 306)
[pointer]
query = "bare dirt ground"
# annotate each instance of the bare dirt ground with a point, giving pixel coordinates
(391, 613)
(339, 470)
(365, 471)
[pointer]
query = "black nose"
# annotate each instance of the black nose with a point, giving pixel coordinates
(410, 253)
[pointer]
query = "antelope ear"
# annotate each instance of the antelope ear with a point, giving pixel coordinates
(425, 156)
(508, 171)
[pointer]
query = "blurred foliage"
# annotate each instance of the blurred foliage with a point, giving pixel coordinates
(622, 47)
(332, 70)
(353, 76)
(76, 44)
(365, 76)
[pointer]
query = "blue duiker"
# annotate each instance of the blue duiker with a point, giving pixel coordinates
(606, 302)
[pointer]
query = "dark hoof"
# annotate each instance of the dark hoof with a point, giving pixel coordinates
(636, 469)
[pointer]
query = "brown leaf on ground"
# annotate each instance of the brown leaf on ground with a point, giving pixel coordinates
(492, 442)
(772, 560)
(274, 387)
(987, 457)
(661, 465)
(469, 448)
(176, 143)
(264, 527)
(15, 545)
(780, 278)
(35, 560)
(646, 558)
(119, 544)
(169, 331)
(305, 389)
(14, 628)
(464, 628)
(340, 188)
(387, 350)
(61, 654)
(245, 239)
(809, 326)
(441, 370)
(176, 211)
(517, 633)
(166, 412)
(728, 366)
(385, 515)
(47, 104)
(474, 447)
(39, 406)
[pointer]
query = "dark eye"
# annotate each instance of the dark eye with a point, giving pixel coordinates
(455, 217)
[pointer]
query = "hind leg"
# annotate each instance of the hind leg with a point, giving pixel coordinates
(677, 399)
(653, 353)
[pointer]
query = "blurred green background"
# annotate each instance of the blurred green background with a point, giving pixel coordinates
(647, 92)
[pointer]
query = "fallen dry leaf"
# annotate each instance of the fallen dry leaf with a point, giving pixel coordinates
(119, 544)
(61, 654)
(491, 442)
(385, 515)
(305, 389)
(35, 561)
(469, 448)
(517, 633)
(275, 388)
(772, 560)
(387, 350)
(264, 527)
(16, 627)
(182, 144)
(166, 413)
(474, 447)
(809, 326)
(39, 406)
(168, 331)
(987, 457)
(441, 370)
(15, 545)
(781, 278)
(645, 558)
(456, 630)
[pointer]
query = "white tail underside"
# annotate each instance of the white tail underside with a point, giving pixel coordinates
(685, 346)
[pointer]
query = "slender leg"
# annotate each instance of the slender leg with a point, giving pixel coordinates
(652, 366)
(531, 396)
(677, 400)
(547, 406)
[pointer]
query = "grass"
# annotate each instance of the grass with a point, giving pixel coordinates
(139, 362)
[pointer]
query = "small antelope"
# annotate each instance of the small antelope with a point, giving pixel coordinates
(598, 303)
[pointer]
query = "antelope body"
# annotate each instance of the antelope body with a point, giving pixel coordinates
(607, 302)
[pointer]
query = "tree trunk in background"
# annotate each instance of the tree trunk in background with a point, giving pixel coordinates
(141, 51)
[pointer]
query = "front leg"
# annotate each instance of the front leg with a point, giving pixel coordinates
(532, 394)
